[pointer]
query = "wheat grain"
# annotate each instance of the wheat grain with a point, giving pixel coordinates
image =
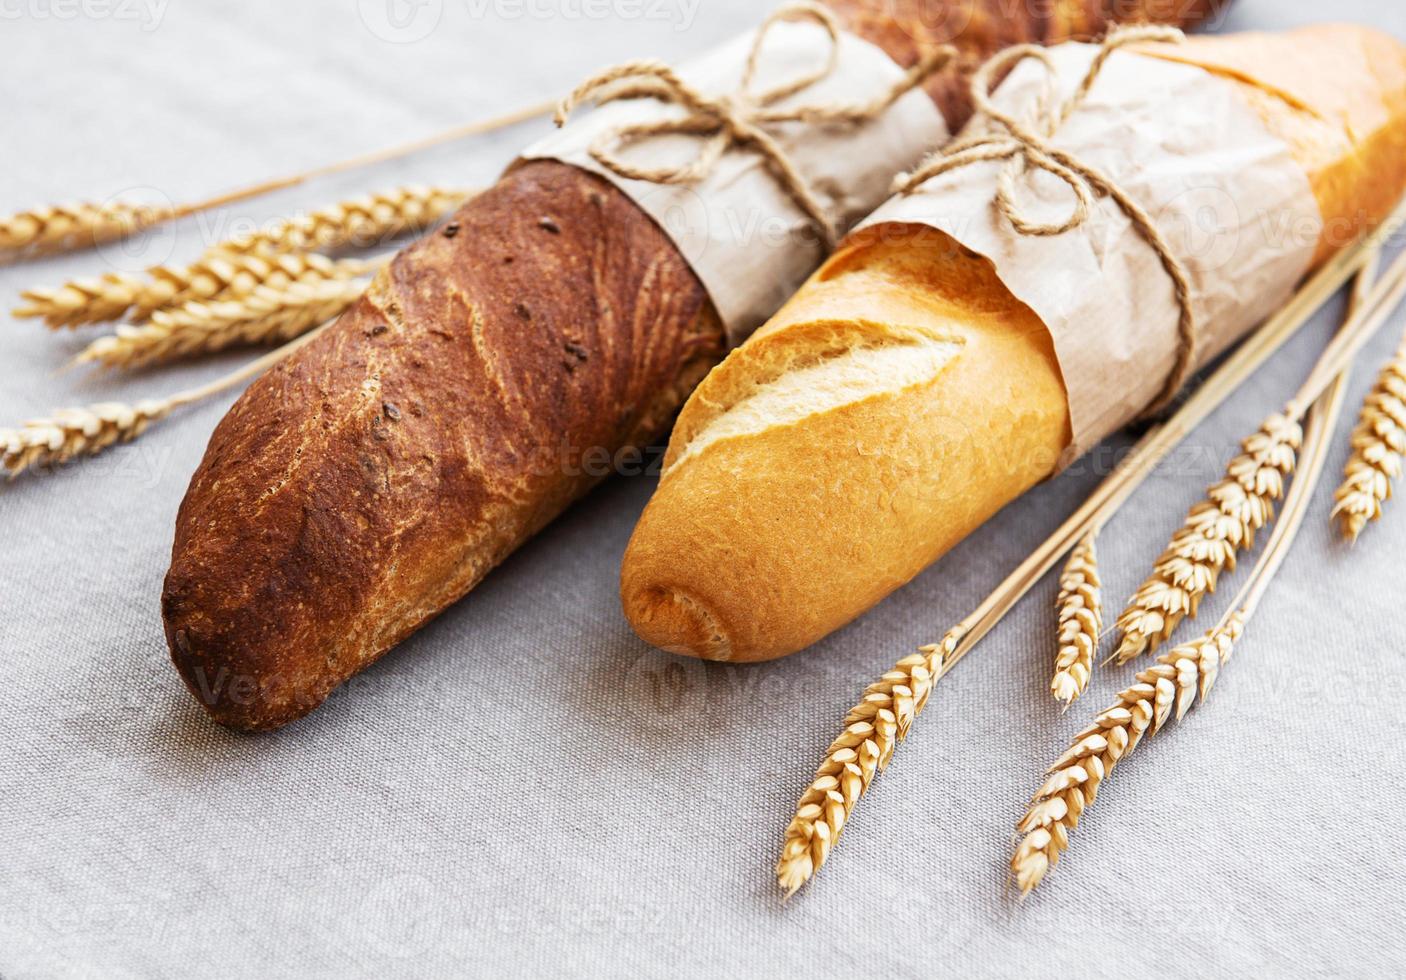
(1218, 528)
(1378, 444)
(1080, 621)
(67, 227)
(1223, 525)
(362, 222)
(1179, 677)
(83, 301)
(231, 276)
(71, 432)
(1215, 531)
(266, 315)
(215, 276)
(872, 730)
(1171, 685)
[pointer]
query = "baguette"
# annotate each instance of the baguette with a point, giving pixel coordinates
(903, 396)
(376, 476)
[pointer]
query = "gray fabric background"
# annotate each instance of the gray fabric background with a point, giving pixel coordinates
(524, 788)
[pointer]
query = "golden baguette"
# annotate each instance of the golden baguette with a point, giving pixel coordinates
(904, 396)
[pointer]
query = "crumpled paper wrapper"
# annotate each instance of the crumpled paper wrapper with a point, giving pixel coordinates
(744, 237)
(1226, 194)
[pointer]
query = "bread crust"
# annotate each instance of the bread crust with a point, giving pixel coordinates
(761, 544)
(1336, 95)
(757, 545)
(375, 477)
(357, 489)
(908, 29)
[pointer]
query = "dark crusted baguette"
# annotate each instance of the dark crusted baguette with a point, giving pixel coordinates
(361, 487)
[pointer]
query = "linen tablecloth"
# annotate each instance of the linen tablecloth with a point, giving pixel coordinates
(524, 788)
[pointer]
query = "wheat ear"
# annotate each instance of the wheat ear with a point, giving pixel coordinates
(1215, 531)
(1218, 528)
(266, 315)
(872, 729)
(1173, 683)
(72, 432)
(362, 222)
(216, 275)
(1080, 621)
(65, 227)
(1159, 441)
(1378, 444)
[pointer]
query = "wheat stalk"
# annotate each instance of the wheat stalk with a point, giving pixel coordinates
(1080, 621)
(72, 432)
(267, 315)
(215, 276)
(44, 231)
(359, 223)
(1378, 444)
(1174, 682)
(63, 227)
(1221, 526)
(1159, 441)
(1215, 531)
(872, 729)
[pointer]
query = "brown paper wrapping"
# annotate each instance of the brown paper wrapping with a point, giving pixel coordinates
(743, 235)
(1226, 194)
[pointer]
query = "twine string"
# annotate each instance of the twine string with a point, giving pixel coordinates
(1029, 147)
(741, 119)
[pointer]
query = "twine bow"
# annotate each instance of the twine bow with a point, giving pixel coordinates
(1024, 149)
(738, 119)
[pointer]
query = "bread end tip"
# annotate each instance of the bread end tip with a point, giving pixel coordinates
(676, 622)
